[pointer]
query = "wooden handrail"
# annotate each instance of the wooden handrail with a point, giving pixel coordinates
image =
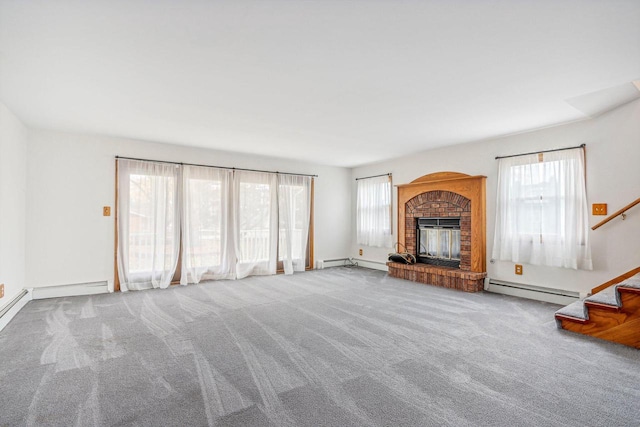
(615, 281)
(620, 212)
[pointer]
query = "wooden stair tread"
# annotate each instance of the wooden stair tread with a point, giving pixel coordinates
(574, 310)
(604, 306)
(571, 318)
(629, 290)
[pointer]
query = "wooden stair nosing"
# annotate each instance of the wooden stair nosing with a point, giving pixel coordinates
(572, 319)
(601, 305)
(629, 290)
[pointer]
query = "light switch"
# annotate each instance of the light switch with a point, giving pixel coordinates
(106, 211)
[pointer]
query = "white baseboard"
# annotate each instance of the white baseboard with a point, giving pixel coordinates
(92, 288)
(9, 310)
(340, 262)
(327, 263)
(555, 296)
(375, 265)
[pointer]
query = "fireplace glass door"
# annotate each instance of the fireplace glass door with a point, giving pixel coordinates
(439, 241)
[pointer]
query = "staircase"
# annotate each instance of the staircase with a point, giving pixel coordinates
(612, 314)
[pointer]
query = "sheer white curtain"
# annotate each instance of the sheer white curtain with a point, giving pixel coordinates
(373, 215)
(148, 224)
(541, 210)
(256, 223)
(294, 202)
(207, 241)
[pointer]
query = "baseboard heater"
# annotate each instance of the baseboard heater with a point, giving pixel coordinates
(11, 308)
(4, 310)
(77, 289)
(376, 265)
(540, 293)
(326, 263)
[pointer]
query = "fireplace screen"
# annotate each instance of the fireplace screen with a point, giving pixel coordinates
(439, 241)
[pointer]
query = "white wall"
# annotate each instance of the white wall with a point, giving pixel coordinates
(613, 177)
(70, 177)
(13, 164)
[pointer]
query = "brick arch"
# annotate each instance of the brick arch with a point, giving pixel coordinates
(454, 200)
(441, 204)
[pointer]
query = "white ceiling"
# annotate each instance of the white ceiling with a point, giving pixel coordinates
(343, 83)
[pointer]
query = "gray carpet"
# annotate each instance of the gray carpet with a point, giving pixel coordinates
(335, 347)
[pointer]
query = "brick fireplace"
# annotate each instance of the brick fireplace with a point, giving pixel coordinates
(445, 195)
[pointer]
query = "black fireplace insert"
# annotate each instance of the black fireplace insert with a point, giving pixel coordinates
(438, 241)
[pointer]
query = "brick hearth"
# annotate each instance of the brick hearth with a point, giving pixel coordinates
(444, 277)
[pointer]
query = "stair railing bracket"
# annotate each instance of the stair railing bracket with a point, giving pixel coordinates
(622, 212)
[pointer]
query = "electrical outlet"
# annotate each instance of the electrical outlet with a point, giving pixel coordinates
(2, 290)
(599, 209)
(106, 211)
(519, 269)
(360, 252)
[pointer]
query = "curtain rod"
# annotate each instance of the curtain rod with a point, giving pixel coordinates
(217, 167)
(374, 176)
(538, 152)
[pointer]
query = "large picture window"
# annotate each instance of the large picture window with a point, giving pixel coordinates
(193, 223)
(541, 210)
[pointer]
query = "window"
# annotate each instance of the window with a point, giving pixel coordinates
(373, 217)
(193, 223)
(541, 211)
(149, 227)
(205, 225)
(294, 199)
(256, 213)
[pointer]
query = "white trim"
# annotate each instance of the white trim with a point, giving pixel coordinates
(341, 262)
(91, 288)
(16, 304)
(327, 263)
(375, 265)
